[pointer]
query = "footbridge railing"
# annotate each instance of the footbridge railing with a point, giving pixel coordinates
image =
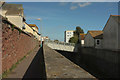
(60, 45)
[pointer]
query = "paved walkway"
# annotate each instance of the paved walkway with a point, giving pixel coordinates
(21, 68)
(47, 63)
(57, 66)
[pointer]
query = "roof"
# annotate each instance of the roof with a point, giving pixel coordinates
(1, 3)
(70, 31)
(99, 36)
(33, 25)
(82, 36)
(13, 9)
(115, 17)
(95, 33)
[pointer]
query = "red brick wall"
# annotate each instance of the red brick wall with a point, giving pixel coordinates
(15, 46)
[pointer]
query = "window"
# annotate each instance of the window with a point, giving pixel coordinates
(23, 26)
(98, 42)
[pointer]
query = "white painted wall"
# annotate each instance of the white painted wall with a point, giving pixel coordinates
(16, 20)
(2, 12)
(68, 35)
(89, 41)
(35, 29)
(110, 35)
(82, 42)
(28, 29)
(60, 46)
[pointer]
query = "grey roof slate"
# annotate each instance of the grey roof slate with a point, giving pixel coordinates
(13, 9)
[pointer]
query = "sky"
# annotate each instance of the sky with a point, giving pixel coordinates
(57, 17)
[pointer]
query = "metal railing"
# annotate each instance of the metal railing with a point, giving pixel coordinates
(61, 43)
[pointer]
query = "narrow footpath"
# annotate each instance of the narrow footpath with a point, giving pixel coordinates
(22, 67)
(57, 66)
(47, 63)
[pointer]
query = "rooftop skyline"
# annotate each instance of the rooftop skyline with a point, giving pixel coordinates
(58, 17)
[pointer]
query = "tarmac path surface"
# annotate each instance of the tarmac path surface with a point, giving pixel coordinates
(47, 63)
(57, 66)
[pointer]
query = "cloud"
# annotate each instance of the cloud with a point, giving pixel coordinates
(73, 7)
(84, 4)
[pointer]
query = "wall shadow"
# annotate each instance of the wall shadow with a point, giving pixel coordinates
(36, 69)
(92, 64)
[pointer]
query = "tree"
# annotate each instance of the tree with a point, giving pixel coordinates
(56, 40)
(73, 39)
(78, 31)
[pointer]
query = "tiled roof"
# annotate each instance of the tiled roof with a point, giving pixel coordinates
(82, 36)
(95, 33)
(33, 25)
(99, 36)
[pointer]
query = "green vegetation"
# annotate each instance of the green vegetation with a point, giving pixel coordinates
(19, 31)
(15, 65)
(75, 38)
(56, 40)
(12, 27)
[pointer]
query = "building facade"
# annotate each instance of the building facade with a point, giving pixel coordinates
(99, 41)
(82, 37)
(111, 35)
(35, 31)
(68, 35)
(14, 13)
(91, 40)
(27, 28)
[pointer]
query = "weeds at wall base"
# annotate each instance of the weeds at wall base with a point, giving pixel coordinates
(4, 74)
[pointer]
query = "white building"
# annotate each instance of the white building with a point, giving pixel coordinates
(111, 35)
(14, 14)
(82, 37)
(91, 39)
(68, 35)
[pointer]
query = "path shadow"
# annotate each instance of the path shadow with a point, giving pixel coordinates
(36, 70)
(88, 63)
(76, 58)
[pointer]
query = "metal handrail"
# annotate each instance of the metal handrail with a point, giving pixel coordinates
(62, 43)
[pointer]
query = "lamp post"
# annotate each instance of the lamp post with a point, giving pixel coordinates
(40, 30)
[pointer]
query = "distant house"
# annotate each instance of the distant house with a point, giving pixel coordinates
(82, 37)
(27, 28)
(93, 39)
(1, 3)
(35, 30)
(99, 41)
(34, 27)
(45, 38)
(14, 14)
(111, 35)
